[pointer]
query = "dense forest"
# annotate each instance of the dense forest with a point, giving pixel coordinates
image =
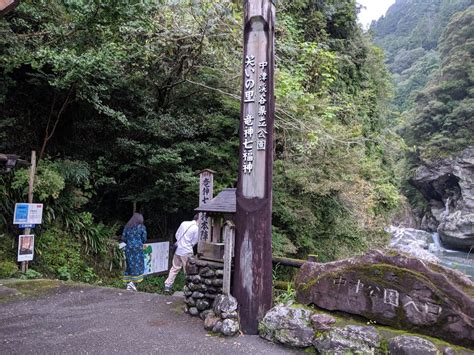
(429, 48)
(125, 103)
(409, 34)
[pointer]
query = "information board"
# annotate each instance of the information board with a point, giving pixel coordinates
(156, 257)
(28, 213)
(26, 246)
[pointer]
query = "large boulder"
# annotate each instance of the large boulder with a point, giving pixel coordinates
(351, 339)
(448, 186)
(287, 325)
(411, 241)
(411, 345)
(395, 290)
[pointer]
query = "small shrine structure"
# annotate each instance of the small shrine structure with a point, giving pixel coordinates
(219, 213)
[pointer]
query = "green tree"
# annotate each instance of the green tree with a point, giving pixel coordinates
(442, 122)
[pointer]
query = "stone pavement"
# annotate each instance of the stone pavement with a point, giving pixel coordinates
(81, 319)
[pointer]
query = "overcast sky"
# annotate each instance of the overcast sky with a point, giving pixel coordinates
(374, 9)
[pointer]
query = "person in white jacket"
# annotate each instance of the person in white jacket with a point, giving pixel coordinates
(186, 239)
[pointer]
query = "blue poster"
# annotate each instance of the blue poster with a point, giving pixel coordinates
(21, 213)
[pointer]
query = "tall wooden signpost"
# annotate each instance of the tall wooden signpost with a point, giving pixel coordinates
(253, 258)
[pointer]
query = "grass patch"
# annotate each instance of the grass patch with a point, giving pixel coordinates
(151, 284)
(29, 288)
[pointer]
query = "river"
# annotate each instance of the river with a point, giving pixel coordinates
(455, 259)
(428, 246)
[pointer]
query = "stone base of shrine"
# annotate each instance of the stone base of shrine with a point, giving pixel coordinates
(204, 297)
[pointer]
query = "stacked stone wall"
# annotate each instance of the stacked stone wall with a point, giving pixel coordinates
(204, 297)
(203, 285)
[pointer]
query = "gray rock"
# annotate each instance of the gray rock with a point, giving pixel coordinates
(206, 313)
(351, 339)
(202, 304)
(225, 304)
(190, 301)
(230, 327)
(449, 351)
(193, 278)
(201, 288)
(414, 242)
(211, 289)
(193, 311)
(287, 325)
(193, 286)
(217, 327)
(448, 187)
(203, 270)
(187, 291)
(210, 296)
(191, 261)
(395, 290)
(197, 294)
(411, 345)
(457, 229)
(210, 321)
(208, 273)
(219, 272)
(207, 282)
(229, 315)
(202, 263)
(322, 321)
(217, 282)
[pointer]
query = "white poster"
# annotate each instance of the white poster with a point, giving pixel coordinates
(28, 213)
(26, 246)
(156, 257)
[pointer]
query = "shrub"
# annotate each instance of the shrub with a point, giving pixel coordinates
(8, 268)
(64, 273)
(31, 274)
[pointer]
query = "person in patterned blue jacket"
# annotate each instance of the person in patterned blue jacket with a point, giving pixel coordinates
(134, 235)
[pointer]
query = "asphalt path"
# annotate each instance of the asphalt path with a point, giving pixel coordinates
(81, 319)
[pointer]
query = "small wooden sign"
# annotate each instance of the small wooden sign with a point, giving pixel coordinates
(206, 193)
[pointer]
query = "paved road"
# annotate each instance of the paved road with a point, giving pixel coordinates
(74, 319)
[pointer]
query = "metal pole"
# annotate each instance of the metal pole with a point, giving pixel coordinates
(253, 258)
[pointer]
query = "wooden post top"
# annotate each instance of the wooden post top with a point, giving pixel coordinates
(204, 171)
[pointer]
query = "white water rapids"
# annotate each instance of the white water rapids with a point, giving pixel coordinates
(428, 246)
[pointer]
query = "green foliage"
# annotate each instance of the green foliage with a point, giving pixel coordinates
(31, 274)
(333, 183)
(288, 296)
(48, 182)
(442, 122)
(8, 268)
(64, 273)
(156, 284)
(410, 33)
(130, 101)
